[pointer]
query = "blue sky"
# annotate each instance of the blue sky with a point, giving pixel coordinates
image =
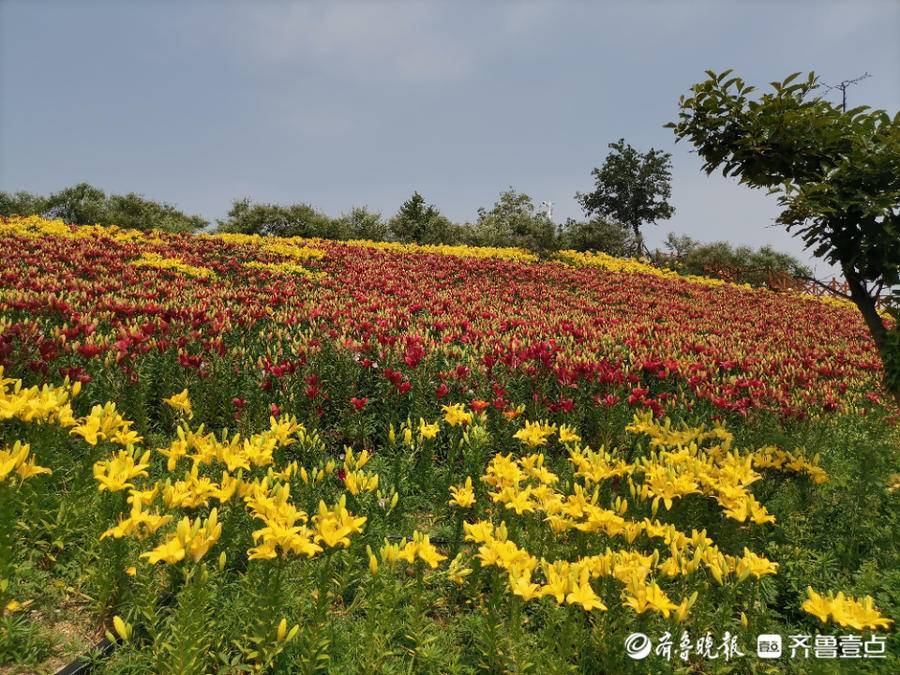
(341, 104)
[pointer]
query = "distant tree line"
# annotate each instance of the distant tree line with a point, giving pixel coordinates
(740, 264)
(84, 204)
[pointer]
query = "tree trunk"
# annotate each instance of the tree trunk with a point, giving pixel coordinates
(638, 240)
(869, 310)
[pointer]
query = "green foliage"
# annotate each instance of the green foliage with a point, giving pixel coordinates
(598, 234)
(84, 204)
(360, 223)
(22, 641)
(294, 220)
(632, 188)
(513, 221)
(22, 204)
(420, 222)
(185, 638)
(740, 264)
(836, 173)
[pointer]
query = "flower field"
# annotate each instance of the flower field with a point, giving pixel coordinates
(230, 453)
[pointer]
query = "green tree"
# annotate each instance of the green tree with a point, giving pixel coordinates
(294, 220)
(21, 204)
(741, 264)
(360, 223)
(631, 188)
(513, 221)
(136, 212)
(81, 204)
(598, 234)
(419, 222)
(836, 174)
(84, 204)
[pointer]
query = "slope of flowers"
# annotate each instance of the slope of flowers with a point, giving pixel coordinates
(240, 454)
(72, 298)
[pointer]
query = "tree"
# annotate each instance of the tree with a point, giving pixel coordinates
(84, 204)
(135, 212)
(21, 204)
(419, 222)
(836, 174)
(294, 220)
(513, 221)
(81, 204)
(631, 188)
(360, 223)
(598, 234)
(741, 264)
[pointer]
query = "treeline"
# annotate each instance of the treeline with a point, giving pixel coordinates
(513, 220)
(84, 204)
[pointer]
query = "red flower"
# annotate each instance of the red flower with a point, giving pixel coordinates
(478, 405)
(609, 400)
(89, 351)
(359, 403)
(275, 410)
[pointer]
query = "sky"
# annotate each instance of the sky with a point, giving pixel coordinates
(347, 104)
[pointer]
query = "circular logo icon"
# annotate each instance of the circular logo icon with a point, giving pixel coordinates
(638, 646)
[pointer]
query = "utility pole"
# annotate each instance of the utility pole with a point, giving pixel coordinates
(844, 85)
(548, 205)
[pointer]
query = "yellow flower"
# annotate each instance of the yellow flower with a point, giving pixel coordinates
(116, 473)
(16, 459)
(858, 614)
(817, 605)
(521, 585)
(643, 597)
(845, 610)
(282, 634)
(139, 523)
(455, 414)
(457, 571)
(333, 527)
(463, 495)
(106, 424)
(480, 532)
(755, 565)
(558, 580)
(567, 435)
(681, 612)
(182, 403)
(190, 539)
(122, 629)
(535, 434)
(428, 431)
(584, 595)
(426, 551)
(360, 481)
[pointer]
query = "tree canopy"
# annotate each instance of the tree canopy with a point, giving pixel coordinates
(739, 264)
(418, 221)
(836, 174)
(293, 220)
(632, 188)
(84, 204)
